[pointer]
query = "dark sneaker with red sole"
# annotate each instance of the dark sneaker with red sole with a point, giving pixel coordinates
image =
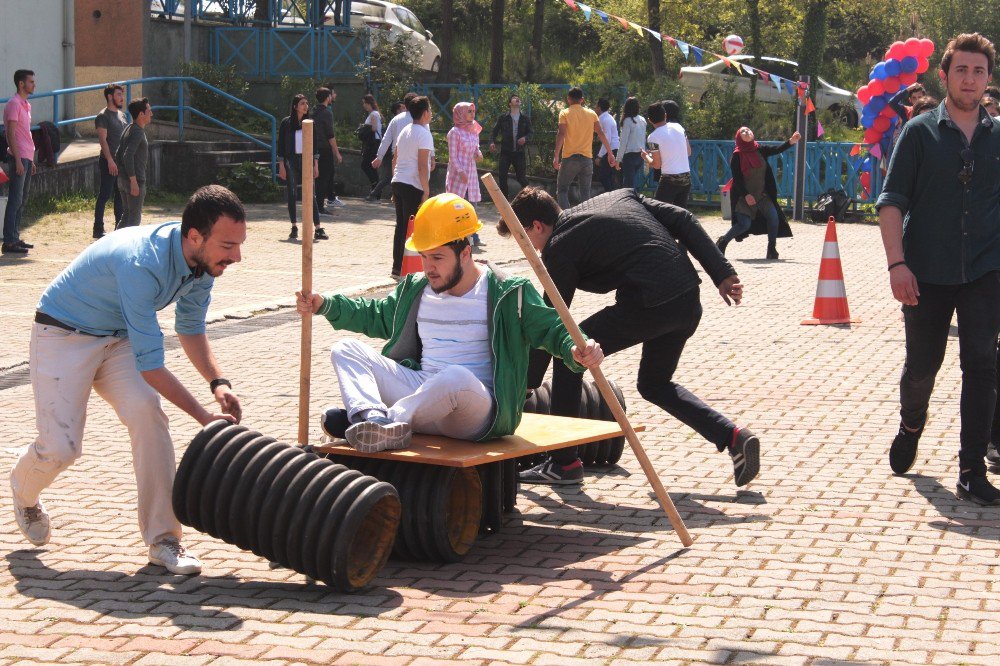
(553, 474)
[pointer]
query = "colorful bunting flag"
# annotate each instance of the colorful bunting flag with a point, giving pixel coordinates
(736, 65)
(875, 150)
(603, 16)
(810, 107)
(789, 86)
(658, 36)
(571, 4)
(819, 128)
(624, 23)
(855, 149)
(749, 70)
(776, 80)
(684, 48)
(585, 9)
(697, 54)
(637, 28)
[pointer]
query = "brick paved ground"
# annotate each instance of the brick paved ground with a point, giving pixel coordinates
(826, 558)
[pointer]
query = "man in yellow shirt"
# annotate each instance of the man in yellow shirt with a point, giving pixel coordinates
(574, 148)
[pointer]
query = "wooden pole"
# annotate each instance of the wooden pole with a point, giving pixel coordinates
(517, 231)
(305, 349)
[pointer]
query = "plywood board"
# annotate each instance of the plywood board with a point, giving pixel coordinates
(536, 434)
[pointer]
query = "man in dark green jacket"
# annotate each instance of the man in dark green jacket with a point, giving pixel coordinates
(459, 336)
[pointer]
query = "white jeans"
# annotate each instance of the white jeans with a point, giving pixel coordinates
(64, 366)
(452, 402)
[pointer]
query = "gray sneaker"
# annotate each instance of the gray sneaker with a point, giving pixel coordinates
(33, 521)
(335, 202)
(378, 434)
(171, 555)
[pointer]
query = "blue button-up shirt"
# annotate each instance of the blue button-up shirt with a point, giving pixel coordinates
(951, 231)
(117, 285)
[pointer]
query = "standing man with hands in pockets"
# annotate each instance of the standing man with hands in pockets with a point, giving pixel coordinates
(513, 129)
(96, 328)
(940, 217)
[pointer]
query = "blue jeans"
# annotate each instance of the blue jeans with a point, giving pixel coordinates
(631, 166)
(17, 196)
(741, 224)
(927, 326)
(109, 188)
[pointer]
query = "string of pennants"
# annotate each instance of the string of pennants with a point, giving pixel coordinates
(691, 51)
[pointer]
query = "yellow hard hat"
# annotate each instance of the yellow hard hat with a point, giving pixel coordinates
(441, 220)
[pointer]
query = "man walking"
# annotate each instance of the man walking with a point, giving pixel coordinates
(96, 328)
(110, 123)
(390, 135)
(131, 157)
(456, 364)
(514, 130)
(326, 142)
(940, 218)
(575, 147)
(638, 247)
(605, 173)
(20, 160)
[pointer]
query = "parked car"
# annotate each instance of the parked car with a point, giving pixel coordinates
(400, 23)
(825, 96)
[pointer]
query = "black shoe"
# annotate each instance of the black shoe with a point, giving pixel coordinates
(325, 211)
(13, 249)
(903, 452)
(294, 233)
(992, 455)
(320, 234)
(721, 244)
(553, 474)
(772, 252)
(371, 198)
(334, 422)
(26, 246)
(977, 489)
(745, 452)
(98, 233)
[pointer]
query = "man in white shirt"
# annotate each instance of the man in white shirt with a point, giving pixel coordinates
(459, 334)
(411, 168)
(605, 173)
(391, 133)
(672, 155)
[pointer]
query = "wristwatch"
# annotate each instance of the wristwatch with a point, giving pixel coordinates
(216, 383)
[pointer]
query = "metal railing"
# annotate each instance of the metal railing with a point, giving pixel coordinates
(285, 51)
(300, 13)
(181, 107)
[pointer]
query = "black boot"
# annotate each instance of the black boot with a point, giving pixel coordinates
(721, 243)
(772, 251)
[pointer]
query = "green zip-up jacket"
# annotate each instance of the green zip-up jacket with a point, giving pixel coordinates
(518, 322)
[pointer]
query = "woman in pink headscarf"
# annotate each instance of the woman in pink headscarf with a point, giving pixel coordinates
(754, 193)
(463, 153)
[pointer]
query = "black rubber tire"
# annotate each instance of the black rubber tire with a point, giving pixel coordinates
(423, 517)
(196, 482)
(315, 522)
(440, 504)
(292, 553)
(267, 524)
(346, 561)
(544, 401)
(595, 407)
(616, 445)
(406, 547)
(489, 475)
(262, 487)
(510, 484)
(230, 481)
(189, 461)
(213, 480)
(338, 512)
(285, 493)
(241, 521)
(336, 488)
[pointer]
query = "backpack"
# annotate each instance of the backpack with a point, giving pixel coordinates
(832, 203)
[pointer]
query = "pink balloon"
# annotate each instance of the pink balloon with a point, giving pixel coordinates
(864, 95)
(922, 65)
(876, 87)
(908, 78)
(926, 48)
(891, 84)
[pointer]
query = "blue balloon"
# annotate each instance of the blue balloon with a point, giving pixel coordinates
(867, 121)
(878, 72)
(908, 64)
(892, 67)
(877, 104)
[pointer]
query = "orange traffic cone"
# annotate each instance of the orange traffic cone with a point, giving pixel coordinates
(411, 258)
(831, 295)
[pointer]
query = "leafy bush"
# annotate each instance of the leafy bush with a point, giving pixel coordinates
(229, 80)
(391, 68)
(251, 182)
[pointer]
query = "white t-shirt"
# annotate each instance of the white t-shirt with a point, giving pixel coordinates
(375, 120)
(671, 139)
(414, 137)
(610, 128)
(454, 331)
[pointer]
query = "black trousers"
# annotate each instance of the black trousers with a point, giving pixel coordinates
(109, 188)
(407, 199)
(293, 176)
(505, 161)
(367, 155)
(606, 174)
(927, 326)
(663, 331)
(673, 189)
(324, 182)
(995, 437)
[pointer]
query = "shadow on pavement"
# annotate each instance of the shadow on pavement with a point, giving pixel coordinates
(190, 602)
(960, 516)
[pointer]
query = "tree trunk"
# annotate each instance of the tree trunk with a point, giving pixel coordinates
(655, 45)
(537, 32)
(753, 18)
(813, 38)
(262, 12)
(496, 42)
(445, 40)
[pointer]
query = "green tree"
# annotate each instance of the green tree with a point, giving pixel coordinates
(813, 45)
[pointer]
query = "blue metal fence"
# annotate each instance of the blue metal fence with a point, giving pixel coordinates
(275, 52)
(180, 107)
(315, 13)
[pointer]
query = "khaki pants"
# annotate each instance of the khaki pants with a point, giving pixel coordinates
(64, 367)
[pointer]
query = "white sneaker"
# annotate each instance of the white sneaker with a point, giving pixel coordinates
(172, 556)
(33, 521)
(335, 202)
(378, 434)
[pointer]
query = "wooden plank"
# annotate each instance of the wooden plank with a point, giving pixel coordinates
(536, 434)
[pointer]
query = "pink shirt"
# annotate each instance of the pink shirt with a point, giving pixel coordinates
(462, 178)
(19, 110)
